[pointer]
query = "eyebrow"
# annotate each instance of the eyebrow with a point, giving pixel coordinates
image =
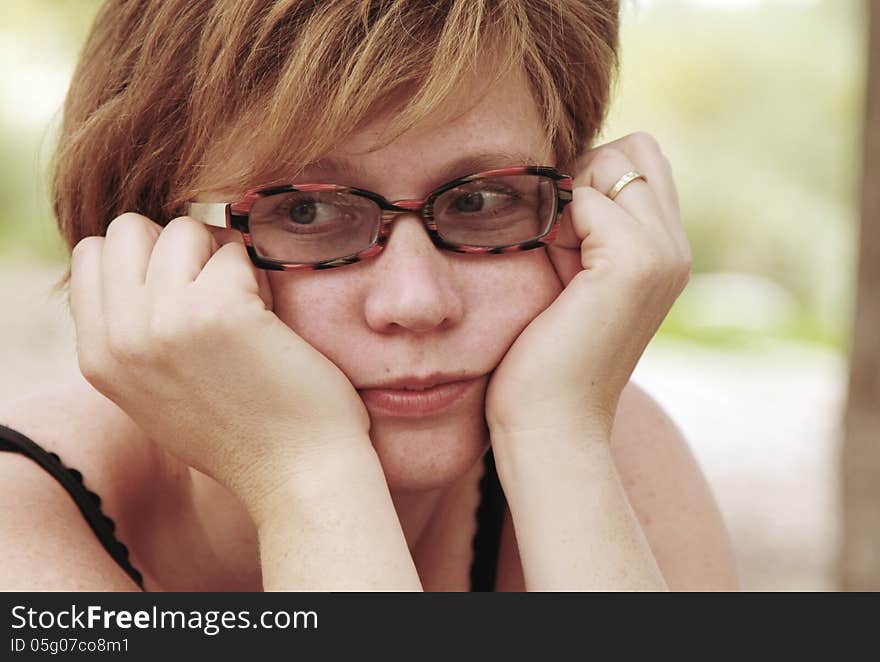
(460, 167)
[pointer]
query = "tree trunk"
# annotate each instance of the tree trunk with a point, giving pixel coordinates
(860, 558)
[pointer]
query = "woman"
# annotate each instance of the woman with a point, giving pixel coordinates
(253, 418)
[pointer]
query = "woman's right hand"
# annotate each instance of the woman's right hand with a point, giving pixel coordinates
(178, 331)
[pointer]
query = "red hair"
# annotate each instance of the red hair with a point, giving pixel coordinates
(162, 86)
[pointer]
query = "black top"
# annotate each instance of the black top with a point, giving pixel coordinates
(485, 545)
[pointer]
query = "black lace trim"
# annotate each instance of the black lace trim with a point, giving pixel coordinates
(486, 542)
(88, 502)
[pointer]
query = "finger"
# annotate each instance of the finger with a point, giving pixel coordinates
(125, 256)
(231, 266)
(644, 151)
(179, 254)
(86, 294)
(564, 252)
(591, 221)
(227, 236)
(603, 167)
(610, 241)
(129, 241)
(600, 223)
(224, 235)
(582, 220)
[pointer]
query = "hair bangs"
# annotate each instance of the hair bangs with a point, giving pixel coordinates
(173, 99)
(340, 79)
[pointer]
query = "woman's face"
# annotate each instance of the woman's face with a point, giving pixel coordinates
(415, 310)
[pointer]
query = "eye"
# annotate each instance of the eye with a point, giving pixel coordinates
(306, 212)
(486, 199)
(302, 212)
(469, 202)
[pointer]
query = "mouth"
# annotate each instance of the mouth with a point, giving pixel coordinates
(413, 397)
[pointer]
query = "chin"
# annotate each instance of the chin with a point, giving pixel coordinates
(425, 454)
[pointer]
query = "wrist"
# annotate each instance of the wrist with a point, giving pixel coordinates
(309, 478)
(333, 526)
(584, 426)
(548, 453)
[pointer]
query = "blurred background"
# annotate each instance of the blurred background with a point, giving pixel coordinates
(758, 104)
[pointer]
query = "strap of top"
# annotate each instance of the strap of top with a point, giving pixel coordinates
(486, 543)
(490, 516)
(71, 480)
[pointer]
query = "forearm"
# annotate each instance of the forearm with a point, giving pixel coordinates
(336, 530)
(575, 528)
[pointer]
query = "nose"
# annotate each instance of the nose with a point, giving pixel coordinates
(412, 284)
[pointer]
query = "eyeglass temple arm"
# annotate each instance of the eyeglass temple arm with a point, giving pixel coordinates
(210, 213)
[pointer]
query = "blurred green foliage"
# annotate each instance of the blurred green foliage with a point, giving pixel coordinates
(758, 108)
(39, 45)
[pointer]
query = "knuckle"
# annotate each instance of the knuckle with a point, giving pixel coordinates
(182, 319)
(124, 221)
(608, 157)
(91, 373)
(225, 235)
(188, 317)
(165, 330)
(126, 353)
(209, 318)
(642, 140)
(86, 246)
(235, 251)
(173, 321)
(93, 365)
(185, 224)
(94, 376)
(125, 345)
(131, 222)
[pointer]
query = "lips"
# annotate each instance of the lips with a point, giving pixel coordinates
(417, 397)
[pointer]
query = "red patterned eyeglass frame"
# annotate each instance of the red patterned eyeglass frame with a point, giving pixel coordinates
(236, 215)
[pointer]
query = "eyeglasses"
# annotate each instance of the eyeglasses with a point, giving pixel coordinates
(321, 226)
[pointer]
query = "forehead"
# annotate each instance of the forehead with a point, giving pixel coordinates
(503, 129)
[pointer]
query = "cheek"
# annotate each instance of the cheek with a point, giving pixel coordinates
(510, 293)
(321, 306)
(501, 294)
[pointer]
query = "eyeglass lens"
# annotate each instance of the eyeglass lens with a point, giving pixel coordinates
(315, 226)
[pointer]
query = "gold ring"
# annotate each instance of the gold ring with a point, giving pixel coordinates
(628, 178)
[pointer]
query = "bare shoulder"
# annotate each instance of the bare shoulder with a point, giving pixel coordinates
(89, 433)
(670, 496)
(117, 462)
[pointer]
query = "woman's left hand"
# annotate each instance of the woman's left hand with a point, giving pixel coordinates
(622, 264)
